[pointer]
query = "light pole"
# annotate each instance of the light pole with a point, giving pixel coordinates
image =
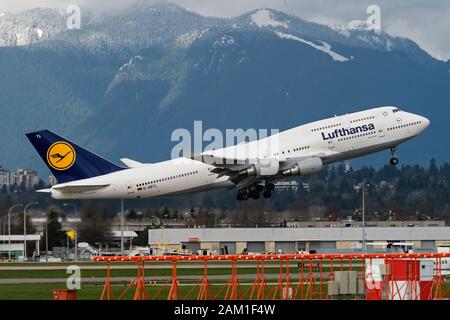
(46, 236)
(3, 224)
(9, 228)
(76, 227)
(25, 229)
(121, 229)
(363, 214)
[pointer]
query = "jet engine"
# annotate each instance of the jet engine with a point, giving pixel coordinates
(305, 167)
(264, 167)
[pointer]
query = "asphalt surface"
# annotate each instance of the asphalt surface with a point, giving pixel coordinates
(126, 280)
(157, 266)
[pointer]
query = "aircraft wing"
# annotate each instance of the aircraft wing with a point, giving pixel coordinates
(80, 187)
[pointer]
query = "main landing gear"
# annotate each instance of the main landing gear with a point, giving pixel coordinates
(254, 192)
(394, 160)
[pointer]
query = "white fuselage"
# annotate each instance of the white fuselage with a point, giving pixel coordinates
(333, 139)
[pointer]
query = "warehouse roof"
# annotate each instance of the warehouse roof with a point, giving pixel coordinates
(176, 235)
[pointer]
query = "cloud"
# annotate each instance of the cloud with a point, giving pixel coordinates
(425, 22)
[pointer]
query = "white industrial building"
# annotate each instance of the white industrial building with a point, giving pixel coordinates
(291, 240)
(13, 246)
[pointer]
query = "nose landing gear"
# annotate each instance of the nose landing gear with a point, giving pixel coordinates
(393, 161)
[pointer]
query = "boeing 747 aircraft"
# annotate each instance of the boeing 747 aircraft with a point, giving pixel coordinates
(300, 151)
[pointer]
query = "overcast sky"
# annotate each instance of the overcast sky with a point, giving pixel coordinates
(426, 22)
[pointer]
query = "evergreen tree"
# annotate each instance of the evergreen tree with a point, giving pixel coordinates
(432, 169)
(95, 224)
(56, 237)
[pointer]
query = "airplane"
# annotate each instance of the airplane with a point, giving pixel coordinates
(300, 151)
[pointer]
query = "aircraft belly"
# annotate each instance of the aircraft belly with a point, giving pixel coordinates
(205, 187)
(349, 154)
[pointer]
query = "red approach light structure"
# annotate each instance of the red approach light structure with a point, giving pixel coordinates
(393, 276)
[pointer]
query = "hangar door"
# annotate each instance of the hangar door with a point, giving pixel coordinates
(285, 246)
(193, 246)
(255, 246)
(428, 244)
(228, 247)
(327, 245)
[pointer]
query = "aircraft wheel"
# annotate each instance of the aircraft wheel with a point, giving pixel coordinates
(270, 186)
(259, 188)
(255, 195)
(267, 194)
(245, 196)
(239, 197)
(394, 161)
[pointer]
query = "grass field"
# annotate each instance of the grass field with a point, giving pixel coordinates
(89, 273)
(160, 290)
(87, 292)
(42, 291)
(93, 292)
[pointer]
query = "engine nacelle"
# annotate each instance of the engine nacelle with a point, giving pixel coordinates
(264, 167)
(305, 167)
(250, 171)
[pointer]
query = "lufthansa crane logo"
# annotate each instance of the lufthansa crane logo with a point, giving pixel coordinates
(61, 155)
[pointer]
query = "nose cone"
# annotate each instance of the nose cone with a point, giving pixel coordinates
(425, 122)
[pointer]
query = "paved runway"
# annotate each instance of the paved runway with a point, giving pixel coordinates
(167, 265)
(159, 279)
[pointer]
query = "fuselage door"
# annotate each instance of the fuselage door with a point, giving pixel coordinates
(331, 144)
(381, 132)
(130, 189)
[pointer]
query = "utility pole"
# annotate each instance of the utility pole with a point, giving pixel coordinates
(25, 257)
(76, 241)
(75, 207)
(9, 228)
(363, 215)
(121, 229)
(46, 239)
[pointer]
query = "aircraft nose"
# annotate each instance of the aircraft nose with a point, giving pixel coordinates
(425, 122)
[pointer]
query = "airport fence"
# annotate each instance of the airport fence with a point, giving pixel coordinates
(394, 276)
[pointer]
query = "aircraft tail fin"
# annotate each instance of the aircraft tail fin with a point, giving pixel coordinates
(66, 160)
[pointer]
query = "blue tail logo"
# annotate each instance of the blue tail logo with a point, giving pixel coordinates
(66, 160)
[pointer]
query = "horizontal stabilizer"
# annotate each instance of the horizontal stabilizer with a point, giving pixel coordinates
(44, 190)
(131, 163)
(80, 187)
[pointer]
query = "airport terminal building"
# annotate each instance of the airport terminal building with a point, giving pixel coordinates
(292, 240)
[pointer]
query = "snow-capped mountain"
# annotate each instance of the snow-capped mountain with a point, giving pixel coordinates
(146, 23)
(30, 26)
(132, 77)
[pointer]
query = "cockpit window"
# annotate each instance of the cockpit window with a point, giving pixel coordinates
(395, 110)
